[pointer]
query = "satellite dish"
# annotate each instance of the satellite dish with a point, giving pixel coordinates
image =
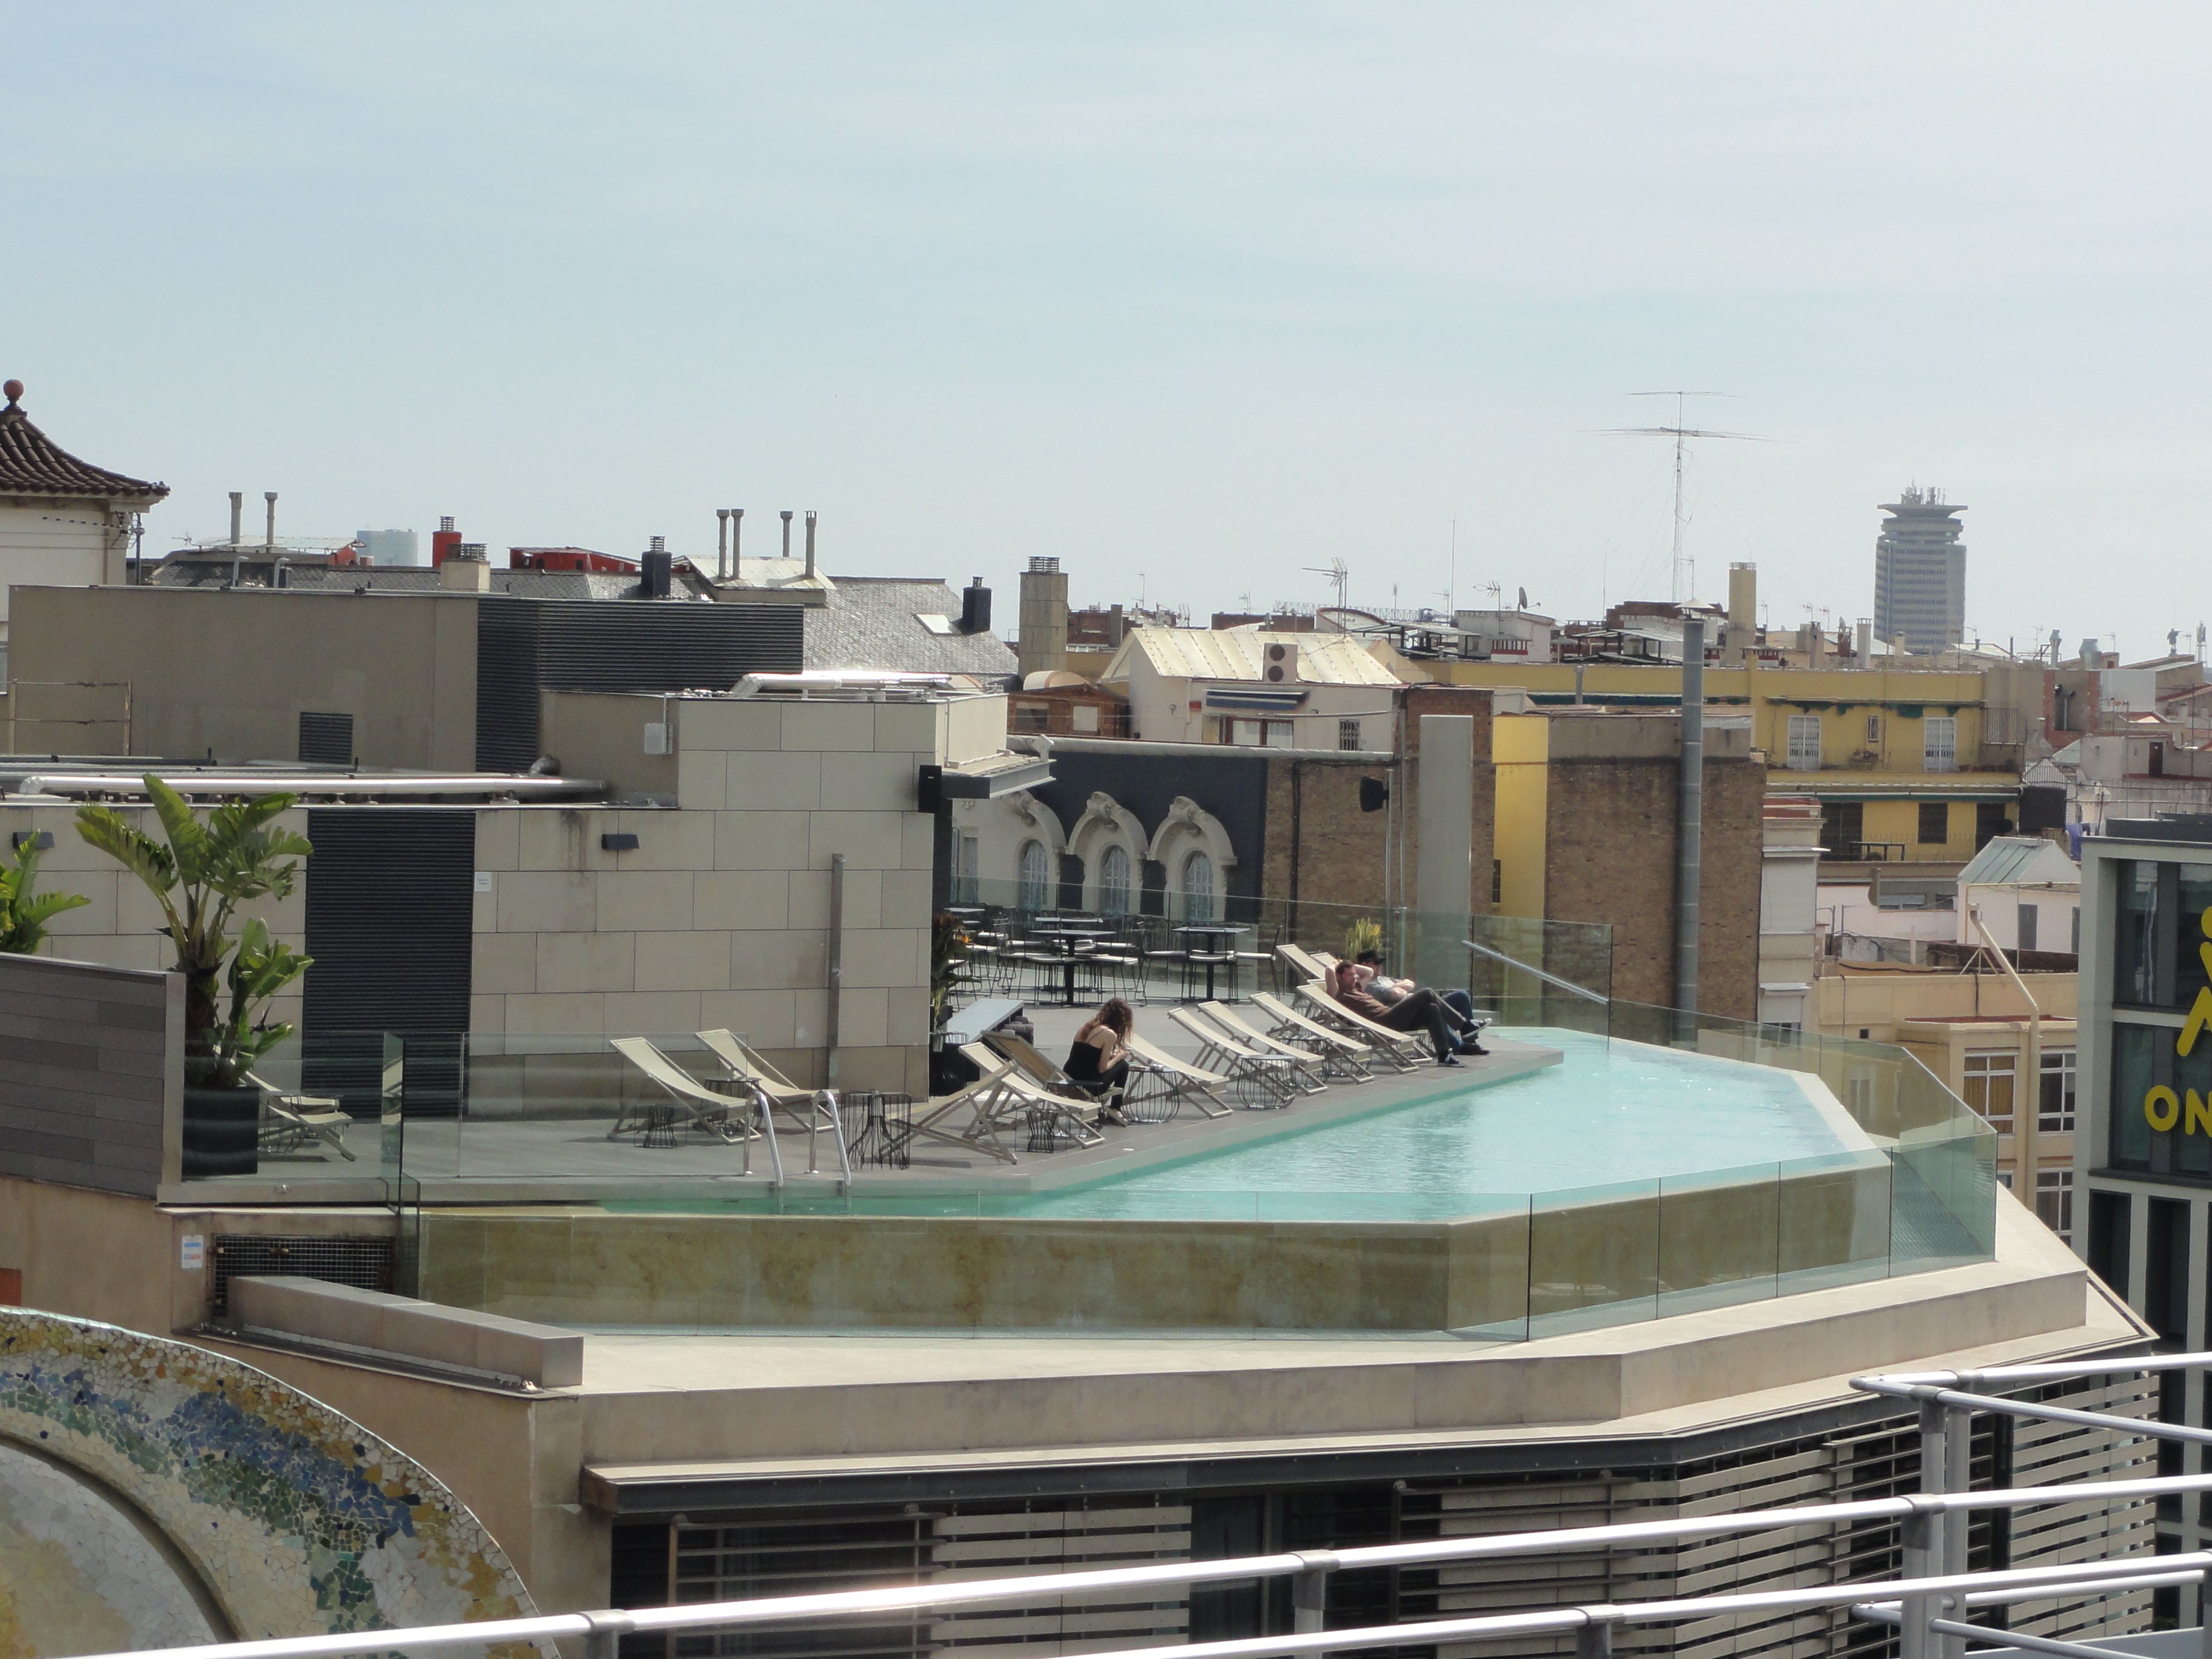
(1524, 598)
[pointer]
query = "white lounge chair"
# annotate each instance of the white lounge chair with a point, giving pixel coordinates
(1303, 962)
(1265, 1077)
(1023, 1099)
(720, 1114)
(291, 1121)
(1403, 1049)
(1181, 1080)
(814, 1111)
(1333, 1048)
(1306, 1065)
(981, 1100)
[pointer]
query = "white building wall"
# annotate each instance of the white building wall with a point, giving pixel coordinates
(60, 545)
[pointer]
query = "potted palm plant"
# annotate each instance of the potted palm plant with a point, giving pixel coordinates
(199, 873)
(23, 918)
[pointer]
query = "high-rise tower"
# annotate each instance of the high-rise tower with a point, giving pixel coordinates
(1920, 574)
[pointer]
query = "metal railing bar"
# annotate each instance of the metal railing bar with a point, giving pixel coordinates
(2043, 1593)
(1582, 991)
(703, 1615)
(2005, 1638)
(2059, 1370)
(2149, 1427)
(1426, 1632)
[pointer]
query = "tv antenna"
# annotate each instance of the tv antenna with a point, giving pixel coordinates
(1681, 433)
(1338, 573)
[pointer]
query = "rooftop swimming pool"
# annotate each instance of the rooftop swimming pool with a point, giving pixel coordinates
(1610, 1115)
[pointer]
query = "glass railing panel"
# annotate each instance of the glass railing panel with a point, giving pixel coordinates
(1833, 1220)
(1594, 1257)
(1719, 1237)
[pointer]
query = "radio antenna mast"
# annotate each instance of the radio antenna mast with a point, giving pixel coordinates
(1681, 433)
(1336, 572)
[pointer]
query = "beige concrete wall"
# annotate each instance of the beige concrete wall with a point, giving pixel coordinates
(601, 734)
(721, 917)
(230, 671)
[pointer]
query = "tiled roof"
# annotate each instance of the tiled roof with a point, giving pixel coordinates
(1236, 653)
(31, 464)
(875, 622)
(2019, 860)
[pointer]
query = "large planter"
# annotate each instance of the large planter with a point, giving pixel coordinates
(222, 1130)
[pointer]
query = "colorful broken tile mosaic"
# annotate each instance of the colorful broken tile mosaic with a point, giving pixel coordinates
(153, 1494)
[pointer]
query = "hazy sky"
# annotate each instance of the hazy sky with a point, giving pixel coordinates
(1194, 296)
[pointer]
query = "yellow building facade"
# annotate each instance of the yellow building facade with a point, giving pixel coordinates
(1904, 763)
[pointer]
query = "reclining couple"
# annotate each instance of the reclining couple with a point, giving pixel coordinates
(1448, 1016)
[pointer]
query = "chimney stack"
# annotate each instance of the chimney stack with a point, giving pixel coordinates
(654, 573)
(269, 542)
(465, 568)
(810, 544)
(787, 533)
(976, 607)
(1865, 643)
(237, 515)
(737, 535)
(446, 539)
(721, 543)
(1043, 642)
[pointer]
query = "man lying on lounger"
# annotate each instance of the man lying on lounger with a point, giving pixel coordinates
(1419, 1010)
(1459, 1007)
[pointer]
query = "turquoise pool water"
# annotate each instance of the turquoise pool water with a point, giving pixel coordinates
(1610, 1113)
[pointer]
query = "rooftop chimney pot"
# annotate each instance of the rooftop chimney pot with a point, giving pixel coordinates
(810, 544)
(237, 515)
(269, 541)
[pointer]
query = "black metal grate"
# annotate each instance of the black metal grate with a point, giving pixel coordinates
(390, 894)
(336, 1257)
(325, 739)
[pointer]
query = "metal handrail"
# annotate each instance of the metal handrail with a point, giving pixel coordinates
(1549, 979)
(1293, 1565)
(2073, 1577)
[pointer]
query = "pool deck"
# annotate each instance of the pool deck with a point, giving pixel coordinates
(571, 1159)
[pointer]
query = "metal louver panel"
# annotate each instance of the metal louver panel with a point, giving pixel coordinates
(389, 924)
(526, 646)
(325, 739)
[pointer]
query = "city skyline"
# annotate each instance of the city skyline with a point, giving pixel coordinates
(1247, 294)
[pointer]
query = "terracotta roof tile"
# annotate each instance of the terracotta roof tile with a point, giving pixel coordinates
(31, 464)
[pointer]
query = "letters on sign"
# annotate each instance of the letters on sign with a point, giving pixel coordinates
(2162, 1108)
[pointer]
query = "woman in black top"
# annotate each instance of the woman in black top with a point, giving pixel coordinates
(1099, 1061)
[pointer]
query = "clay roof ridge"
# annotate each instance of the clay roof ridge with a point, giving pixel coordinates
(31, 464)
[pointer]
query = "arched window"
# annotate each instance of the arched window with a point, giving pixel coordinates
(1035, 877)
(1114, 881)
(1198, 888)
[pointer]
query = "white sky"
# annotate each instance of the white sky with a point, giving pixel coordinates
(1192, 296)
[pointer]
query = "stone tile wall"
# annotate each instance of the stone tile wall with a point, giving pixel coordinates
(721, 916)
(91, 1058)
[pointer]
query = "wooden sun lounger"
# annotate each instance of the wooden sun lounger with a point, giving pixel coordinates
(1309, 1067)
(1183, 1080)
(1078, 1115)
(1334, 1048)
(978, 1098)
(291, 1121)
(717, 1114)
(1033, 1065)
(1403, 1049)
(811, 1110)
(1265, 1075)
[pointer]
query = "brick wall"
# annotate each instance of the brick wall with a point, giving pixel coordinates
(91, 1058)
(1340, 854)
(1609, 857)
